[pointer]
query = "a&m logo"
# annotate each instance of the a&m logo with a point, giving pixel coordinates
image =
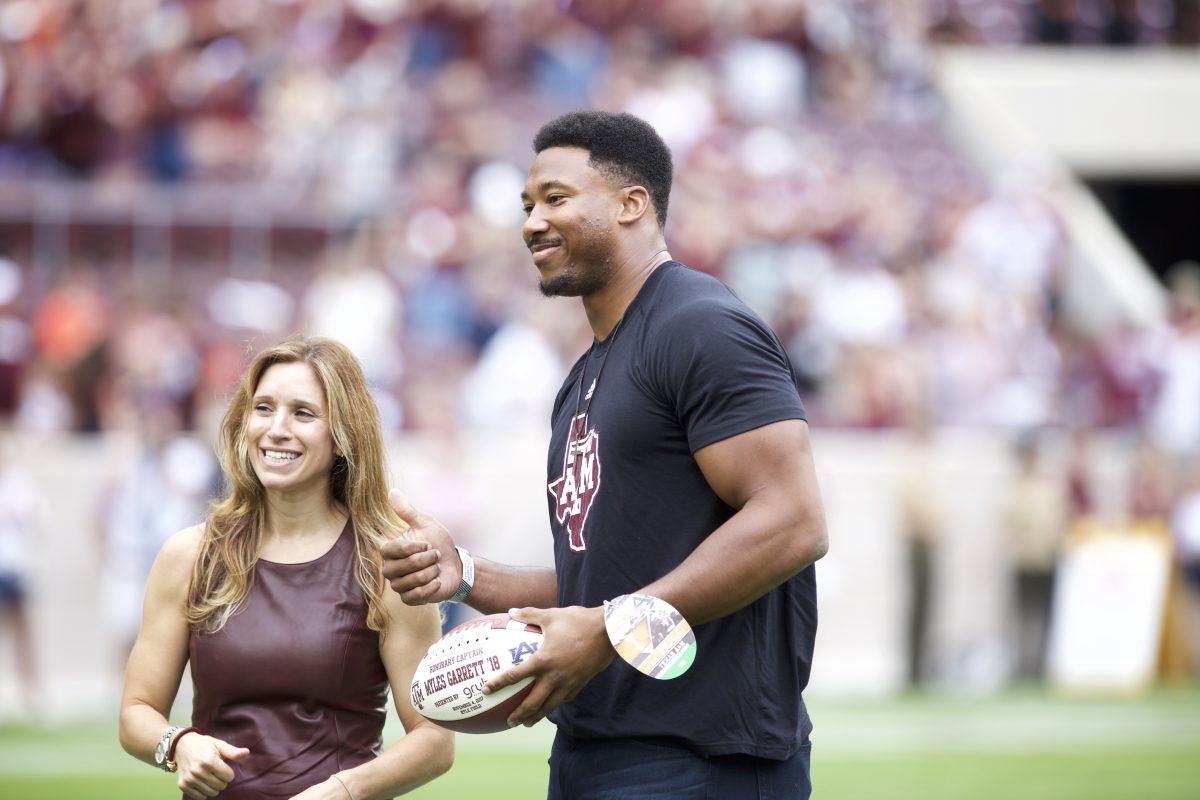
(575, 490)
(522, 651)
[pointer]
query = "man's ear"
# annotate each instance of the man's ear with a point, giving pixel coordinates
(635, 203)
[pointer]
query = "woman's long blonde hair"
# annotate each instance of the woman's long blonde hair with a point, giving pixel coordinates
(224, 569)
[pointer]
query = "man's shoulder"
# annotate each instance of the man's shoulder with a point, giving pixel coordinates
(679, 277)
(684, 296)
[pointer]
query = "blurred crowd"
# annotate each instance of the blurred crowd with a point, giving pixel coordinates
(1116, 23)
(389, 139)
(814, 175)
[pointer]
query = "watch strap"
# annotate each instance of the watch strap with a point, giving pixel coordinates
(160, 752)
(468, 576)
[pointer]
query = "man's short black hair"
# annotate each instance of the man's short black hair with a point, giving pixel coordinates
(621, 145)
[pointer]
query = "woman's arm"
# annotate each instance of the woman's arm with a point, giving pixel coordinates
(156, 662)
(155, 668)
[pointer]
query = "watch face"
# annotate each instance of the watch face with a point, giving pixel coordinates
(160, 753)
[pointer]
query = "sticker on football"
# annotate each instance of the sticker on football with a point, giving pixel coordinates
(448, 684)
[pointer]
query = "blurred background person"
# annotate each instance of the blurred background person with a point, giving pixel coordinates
(1151, 486)
(352, 299)
(923, 522)
(1036, 518)
(162, 484)
(1185, 528)
(1174, 417)
(16, 340)
(19, 531)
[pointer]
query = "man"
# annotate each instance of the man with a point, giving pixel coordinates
(680, 469)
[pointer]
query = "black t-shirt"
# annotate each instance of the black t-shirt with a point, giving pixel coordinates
(688, 366)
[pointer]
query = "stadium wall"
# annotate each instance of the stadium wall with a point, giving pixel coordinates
(490, 489)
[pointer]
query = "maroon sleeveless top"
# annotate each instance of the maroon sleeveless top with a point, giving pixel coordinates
(295, 675)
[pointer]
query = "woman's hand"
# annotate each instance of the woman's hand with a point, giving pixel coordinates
(202, 768)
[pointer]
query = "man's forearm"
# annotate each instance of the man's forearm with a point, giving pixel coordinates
(499, 587)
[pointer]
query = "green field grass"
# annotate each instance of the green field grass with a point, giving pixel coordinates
(1025, 745)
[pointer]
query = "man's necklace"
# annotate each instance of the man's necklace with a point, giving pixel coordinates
(576, 440)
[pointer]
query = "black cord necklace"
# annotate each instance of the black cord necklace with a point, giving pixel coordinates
(576, 440)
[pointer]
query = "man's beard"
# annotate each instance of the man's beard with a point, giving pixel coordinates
(587, 274)
(576, 282)
(558, 287)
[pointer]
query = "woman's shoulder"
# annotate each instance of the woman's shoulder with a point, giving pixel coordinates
(171, 574)
(180, 550)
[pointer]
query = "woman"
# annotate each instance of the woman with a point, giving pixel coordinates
(279, 604)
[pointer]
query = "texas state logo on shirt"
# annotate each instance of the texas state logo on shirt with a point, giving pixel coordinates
(579, 482)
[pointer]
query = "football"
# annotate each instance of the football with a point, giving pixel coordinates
(447, 686)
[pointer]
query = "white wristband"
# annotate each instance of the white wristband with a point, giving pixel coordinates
(468, 576)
